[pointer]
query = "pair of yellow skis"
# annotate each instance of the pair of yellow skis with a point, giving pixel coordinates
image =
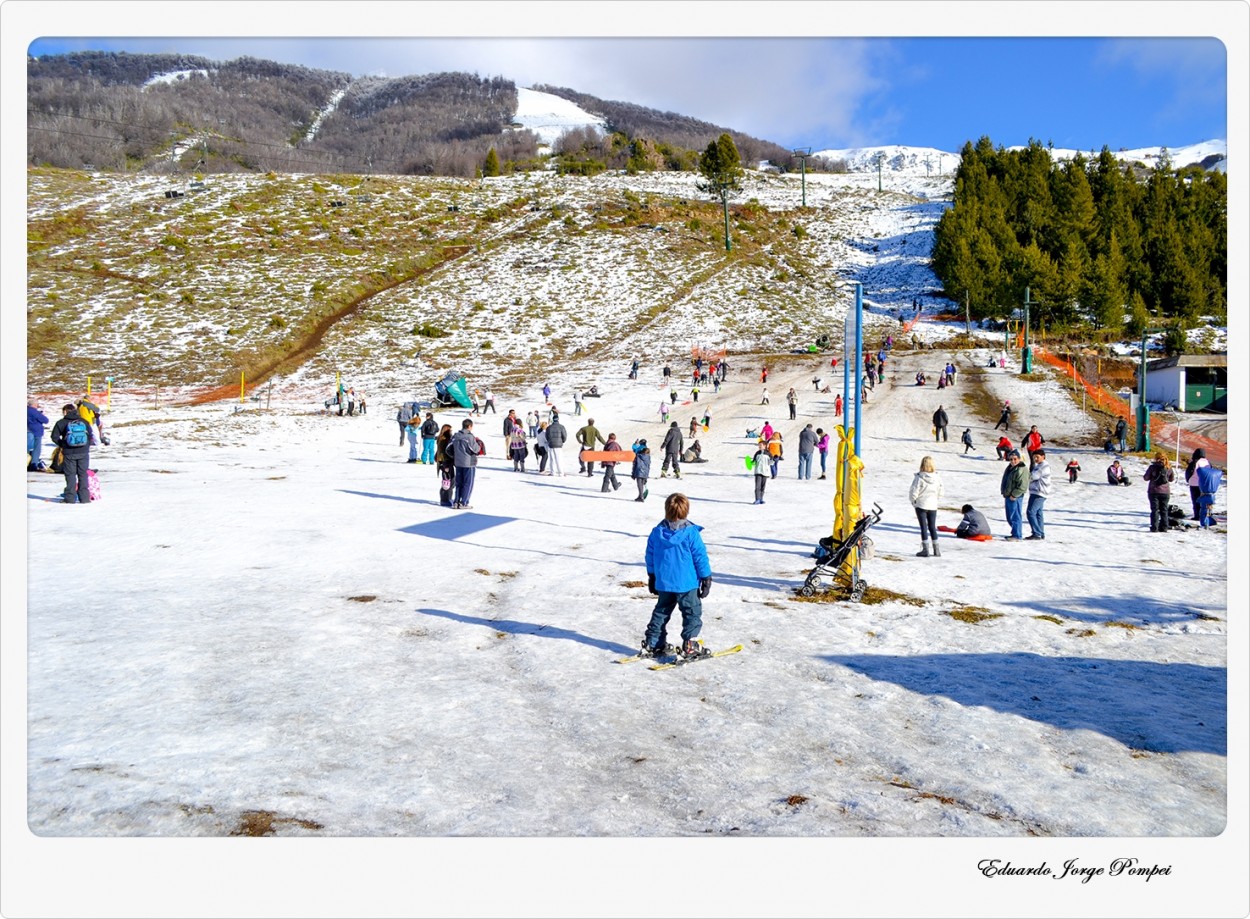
(680, 662)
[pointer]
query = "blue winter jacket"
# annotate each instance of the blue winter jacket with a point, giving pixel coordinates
(676, 556)
(642, 466)
(35, 421)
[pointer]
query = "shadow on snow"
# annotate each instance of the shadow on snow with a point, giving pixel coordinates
(516, 627)
(1162, 708)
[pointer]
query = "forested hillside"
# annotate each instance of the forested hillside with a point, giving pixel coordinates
(1092, 239)
(105, 110)
(181, 113)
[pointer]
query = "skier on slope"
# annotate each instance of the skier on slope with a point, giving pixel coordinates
(679, 575)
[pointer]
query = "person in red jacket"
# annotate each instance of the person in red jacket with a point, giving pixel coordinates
(1032, 442)
(1004, 447)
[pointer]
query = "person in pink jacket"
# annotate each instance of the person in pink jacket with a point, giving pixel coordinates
(822, 447)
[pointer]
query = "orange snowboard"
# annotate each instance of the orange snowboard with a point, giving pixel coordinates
(606, 456)
(985, 537)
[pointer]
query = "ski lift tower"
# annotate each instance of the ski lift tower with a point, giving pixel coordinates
(1143, 410)
(1026, 354)
(802, 153)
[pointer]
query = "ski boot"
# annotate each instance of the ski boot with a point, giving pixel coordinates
(660, 650)
(692, 649)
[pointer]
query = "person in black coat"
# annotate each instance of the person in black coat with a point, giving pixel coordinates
(940, 421)
(74, 436)
(672, 446)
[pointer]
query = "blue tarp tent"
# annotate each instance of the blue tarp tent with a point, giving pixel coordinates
(453, 388)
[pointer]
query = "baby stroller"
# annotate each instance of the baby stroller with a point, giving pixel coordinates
(831, 555)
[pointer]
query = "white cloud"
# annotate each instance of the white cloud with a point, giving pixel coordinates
(1188, 74)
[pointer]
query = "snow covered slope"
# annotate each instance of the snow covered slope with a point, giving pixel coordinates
(551, 116)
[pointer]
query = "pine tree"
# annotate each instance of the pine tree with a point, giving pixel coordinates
(1106, 293)
(1138, 315)
(491, 167)
(721, 166)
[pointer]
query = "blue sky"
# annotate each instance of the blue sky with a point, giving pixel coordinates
(1079, 93)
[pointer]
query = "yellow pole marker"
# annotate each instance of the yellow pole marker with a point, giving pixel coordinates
(242, 388)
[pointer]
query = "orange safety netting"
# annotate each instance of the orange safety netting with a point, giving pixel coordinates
(1161, 430)
(198, 395)
(708, 354)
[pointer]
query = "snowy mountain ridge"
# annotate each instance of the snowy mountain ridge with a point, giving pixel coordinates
(897, 158)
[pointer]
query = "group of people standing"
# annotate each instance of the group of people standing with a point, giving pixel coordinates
(1202, 479)
(79, 428)
(454, 454)
(414, 428)
(349, 401)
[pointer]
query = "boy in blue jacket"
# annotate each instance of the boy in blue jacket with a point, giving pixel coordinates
(679, 574)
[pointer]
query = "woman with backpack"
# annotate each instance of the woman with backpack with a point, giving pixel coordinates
(1160, 475)
(73, 435)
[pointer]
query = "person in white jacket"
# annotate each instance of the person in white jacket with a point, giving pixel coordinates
(760, 465)
(926, 492)
(1039, 489)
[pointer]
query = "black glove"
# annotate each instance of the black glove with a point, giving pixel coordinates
(705, 587)
(651, 584)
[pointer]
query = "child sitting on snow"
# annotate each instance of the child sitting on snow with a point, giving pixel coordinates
(1115, 474)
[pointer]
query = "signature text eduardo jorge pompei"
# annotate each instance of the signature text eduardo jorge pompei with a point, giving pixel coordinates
(1072, 869)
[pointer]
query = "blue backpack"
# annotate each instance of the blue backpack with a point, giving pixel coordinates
(76, 433)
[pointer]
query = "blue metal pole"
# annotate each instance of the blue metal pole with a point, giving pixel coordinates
(859, 355)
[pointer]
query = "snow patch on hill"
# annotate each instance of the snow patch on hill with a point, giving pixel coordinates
(895, 159)
(324, 114)
(551, 117)
(173, 77)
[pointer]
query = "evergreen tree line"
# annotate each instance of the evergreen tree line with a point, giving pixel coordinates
(1098, 242)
